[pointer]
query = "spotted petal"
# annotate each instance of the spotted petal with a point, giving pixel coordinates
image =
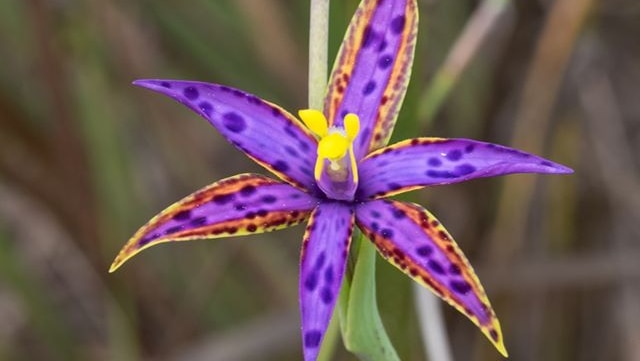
(244, 204)
(265, 132)
(322, 265)
(372, 70)
(420, 162)
(414, 241)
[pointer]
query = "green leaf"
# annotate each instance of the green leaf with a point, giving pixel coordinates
(362, 329)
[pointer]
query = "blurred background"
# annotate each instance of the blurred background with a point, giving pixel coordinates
(86, 158)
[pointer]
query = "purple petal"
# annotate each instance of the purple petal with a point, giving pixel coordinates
(416, 243)
(323, 261)
(244, 204)
(372, 70)
(265, 132)
(420, 162)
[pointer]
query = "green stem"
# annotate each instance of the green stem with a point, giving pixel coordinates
(362, 328)
(318, 52)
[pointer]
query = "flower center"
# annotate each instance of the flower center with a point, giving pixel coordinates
(335, 171)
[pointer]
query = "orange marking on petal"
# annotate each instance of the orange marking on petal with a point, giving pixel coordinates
(398, 81)
(268, 221)
(445, 242)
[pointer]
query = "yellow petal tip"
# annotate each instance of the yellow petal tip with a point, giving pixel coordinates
(351, 126)
(494, 334)
(502, 349)
(115, 265)
(315, 121)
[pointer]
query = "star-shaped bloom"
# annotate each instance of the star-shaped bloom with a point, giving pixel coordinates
(335, 172)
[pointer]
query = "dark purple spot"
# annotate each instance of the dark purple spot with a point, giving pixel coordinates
(252, 228)
(375, 226)
(223, 199)
(494, 334)
(247, 190)
(424, 251)
(292, 152)
(175, 229)
(191, 93)
(455, 270)
(394, 186)
(367, 37)
(386, 233)
(234, 122)
(253, 99)
(461, 287)
(206, 108)
(166, 84)
(469, 148)
(182, 215)
(369, 88)
(375, 214)
(240, 207)
(398, 213)
(143, 242)
(262, 212)
(225, 89)
(269, 199)
(382, 46)
(546, 163)
(326, 295)
(385, 62)
(465, 169)
(435, 266)
(238, 93)
(311, 282)
(281, 166)
(198, 221)
(322, 257)
(397, 25)
(312, 339)
(328, 274)
(290, 131)
(435, 162)
(250, 215)
(455, 155)
(304, 146)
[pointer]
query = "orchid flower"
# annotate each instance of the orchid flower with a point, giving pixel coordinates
(336, 172)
